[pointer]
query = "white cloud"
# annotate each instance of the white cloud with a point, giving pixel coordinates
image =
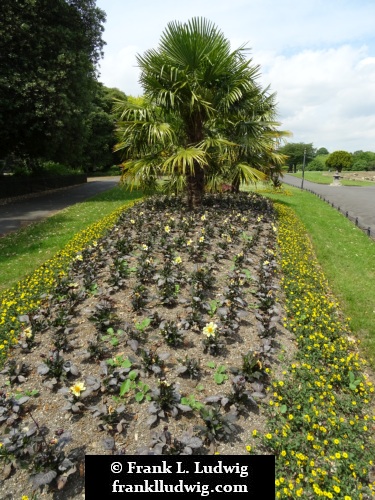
(319, 57)
(119, 70)
(326, 96)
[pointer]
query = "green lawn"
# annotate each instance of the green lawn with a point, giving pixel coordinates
(327, 178)
(25, 250)
(347, 258)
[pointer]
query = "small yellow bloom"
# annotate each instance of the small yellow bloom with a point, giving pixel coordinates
(210, 329)
(28, 332)
(77, 388)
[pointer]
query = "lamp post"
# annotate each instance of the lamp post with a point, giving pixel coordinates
(303, 167)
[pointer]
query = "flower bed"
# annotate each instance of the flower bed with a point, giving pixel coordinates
(164, 337)
(166, 321)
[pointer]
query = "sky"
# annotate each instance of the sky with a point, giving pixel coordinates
(318, 56)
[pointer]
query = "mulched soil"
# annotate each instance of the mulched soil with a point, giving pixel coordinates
(128, 322)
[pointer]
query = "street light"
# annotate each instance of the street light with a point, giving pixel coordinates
(303, 167)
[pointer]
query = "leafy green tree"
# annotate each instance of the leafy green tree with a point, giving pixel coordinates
(322, 151)
(318, 163)
(203, 115)
(363, 160)
(100, 134)
(295, 152)
(339, 160)
(48, 53)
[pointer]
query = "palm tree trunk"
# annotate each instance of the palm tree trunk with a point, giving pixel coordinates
(195, 188)
(236, 185)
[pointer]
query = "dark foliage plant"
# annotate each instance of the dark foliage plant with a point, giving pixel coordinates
(151, 317)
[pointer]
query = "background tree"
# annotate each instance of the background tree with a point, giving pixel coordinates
(203, 113)
(363, 160)
(318, 163)
(295, 152)
(100, 134)
(322, 151)
(339, 160)
(48, 53)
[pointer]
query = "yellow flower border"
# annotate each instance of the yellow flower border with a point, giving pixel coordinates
(26, 295)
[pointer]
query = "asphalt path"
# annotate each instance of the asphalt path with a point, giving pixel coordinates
(357, 201)
(24, 211)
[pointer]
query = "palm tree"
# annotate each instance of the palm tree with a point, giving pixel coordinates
(202, 113)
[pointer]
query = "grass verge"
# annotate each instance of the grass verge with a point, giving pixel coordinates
(346, 256)
(327, 178)
(25, 250)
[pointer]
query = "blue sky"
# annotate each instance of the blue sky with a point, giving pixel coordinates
(317, 56)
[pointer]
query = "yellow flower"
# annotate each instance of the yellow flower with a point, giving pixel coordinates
(248, 448)
(77, 388)
(28, 332)
(167, 229)
(210, 329)
(178, 260)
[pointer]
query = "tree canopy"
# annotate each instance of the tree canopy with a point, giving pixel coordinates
(295, 153)
(363, 160)
(48, 53)
(204, 117)
(339, 160)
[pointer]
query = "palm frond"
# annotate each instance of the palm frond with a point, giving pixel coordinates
(184, 161)
(243, 173)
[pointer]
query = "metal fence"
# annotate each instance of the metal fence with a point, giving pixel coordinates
(353, 218)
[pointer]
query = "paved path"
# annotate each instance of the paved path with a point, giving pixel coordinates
(359, 202)
(22, 212)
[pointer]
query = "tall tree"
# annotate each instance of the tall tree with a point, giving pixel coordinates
(48, 53)
(339, 160)
(202, 110)
(100, 137)
(296, 152)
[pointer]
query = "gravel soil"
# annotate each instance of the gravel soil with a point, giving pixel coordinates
(169, 305)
